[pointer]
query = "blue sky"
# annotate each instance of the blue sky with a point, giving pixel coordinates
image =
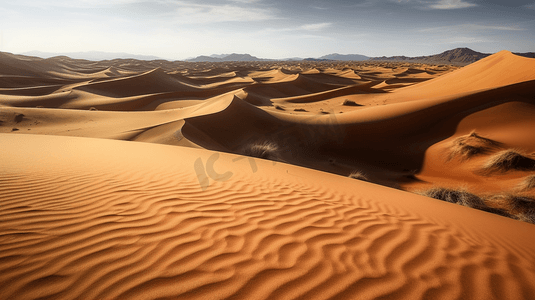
(178, 29)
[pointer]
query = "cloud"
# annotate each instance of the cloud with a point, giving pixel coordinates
(451, 4)
(245, 1)
(315, 26)
(176, 11)
(73, 4)
(461, 40)
(470, 28)
(193, 13)
(436, 4)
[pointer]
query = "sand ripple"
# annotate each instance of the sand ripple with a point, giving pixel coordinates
(154, 234)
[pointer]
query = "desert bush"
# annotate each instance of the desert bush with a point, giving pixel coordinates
(93, 109)
(266, 150)
(279, 107)
(350, 103)
(527, 184)
(508, 160)
(300, 109)
(515, 202)
(470, 145)
(359, 175)
(526, 217)
(458, 196)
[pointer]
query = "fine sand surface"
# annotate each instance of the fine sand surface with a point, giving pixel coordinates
(129, 179)
(86, 218)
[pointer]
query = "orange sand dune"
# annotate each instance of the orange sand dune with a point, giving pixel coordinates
(498, 70)
(93, 206)
(107, 219)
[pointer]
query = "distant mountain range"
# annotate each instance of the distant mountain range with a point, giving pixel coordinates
(461, 56)
(91, 55)
(456, 56)
(248, 57)
(226, 57)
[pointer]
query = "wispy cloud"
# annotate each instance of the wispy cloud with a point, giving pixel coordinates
(73, 4)
(451, 4)
(193, 13)
(245, 1)
(177, 11)
(461, 40)
(436, 4)
(470, 28)
(315, 26)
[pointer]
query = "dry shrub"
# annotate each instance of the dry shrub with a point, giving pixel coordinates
(526, 217)
(470, 145)
(508, 160)
(351, 103)
(527, 184)
(300, 109)
(515, 203)
(279, 107)
(265, 150)
(458, 196)
(93, 109)
(359, 175)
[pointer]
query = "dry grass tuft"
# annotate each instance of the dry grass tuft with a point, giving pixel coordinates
(300, 109)
(351, 103)
(462, 197)
(527, 184)
(265, 150)
(93, 109)
(526, 217)
(359, 175)
(279, 107)
(470, 145)
(515, 203)
(508, 160)
(458, 196)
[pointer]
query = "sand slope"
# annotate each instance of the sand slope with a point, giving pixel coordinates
(104, 219)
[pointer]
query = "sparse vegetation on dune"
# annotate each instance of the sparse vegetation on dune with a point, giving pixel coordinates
(279, 107)
(458, 196)
(513, 206)
(508, 160)
(359, 175)
(526, 217)
(351, 103)
(266, 150)
(520, 206)
(527, 184)
(515, 202)
(465, 147)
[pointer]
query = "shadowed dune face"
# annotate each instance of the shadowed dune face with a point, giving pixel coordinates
(110, 186)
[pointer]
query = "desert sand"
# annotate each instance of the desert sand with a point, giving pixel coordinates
(129, 179)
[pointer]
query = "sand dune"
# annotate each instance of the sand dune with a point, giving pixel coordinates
(128, 179)
(102, 220)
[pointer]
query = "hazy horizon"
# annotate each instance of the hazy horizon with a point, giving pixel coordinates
(178, 30)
